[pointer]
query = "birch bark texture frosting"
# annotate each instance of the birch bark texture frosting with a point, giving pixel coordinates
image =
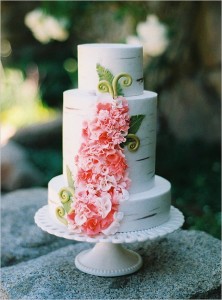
(117, 58)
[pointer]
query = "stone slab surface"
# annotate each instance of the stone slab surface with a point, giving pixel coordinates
(16, 168)
(182, 265)
(21, 239)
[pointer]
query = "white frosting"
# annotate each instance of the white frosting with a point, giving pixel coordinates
(142, 211)
(117, 58)
(148, 202)
(80, 105)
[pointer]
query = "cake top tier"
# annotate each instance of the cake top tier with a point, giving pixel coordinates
(94, 59)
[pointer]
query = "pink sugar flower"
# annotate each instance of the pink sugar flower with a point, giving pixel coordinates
(103, 115)
(104, 106)
(106, 182)
(84, 175)
(116, 163)
(71, 216)
(105, 139)
(103, 204)
(113, 226)
(104, 170)
(85, 130)
(108, 220)
(102, 180)
(92, 226)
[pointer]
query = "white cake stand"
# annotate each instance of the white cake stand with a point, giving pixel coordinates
(108, 257)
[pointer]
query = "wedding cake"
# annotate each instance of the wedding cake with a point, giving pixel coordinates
(108, 183)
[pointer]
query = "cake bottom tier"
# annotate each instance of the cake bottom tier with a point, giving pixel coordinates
(142, 211)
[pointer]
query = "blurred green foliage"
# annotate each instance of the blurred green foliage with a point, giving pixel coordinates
(48, 161)
(193, 168)
(19, 93)
(51, 57)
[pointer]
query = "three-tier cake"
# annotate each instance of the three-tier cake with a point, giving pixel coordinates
(108, 183)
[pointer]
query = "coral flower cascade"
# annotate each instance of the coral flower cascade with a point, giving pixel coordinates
(102, 180)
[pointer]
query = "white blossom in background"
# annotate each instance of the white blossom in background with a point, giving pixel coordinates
(45, 27)
(152, 35)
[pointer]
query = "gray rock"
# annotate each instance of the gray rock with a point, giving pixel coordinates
(21, 239)
(48, 134)
(182, 265)
(186, 107)
(3, 295)
(16, 169)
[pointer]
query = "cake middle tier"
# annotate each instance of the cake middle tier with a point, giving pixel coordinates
(80, 106)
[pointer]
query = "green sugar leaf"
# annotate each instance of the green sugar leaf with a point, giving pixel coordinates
(135, 122)
(105, 74)
(119, 90)
(67, 206)
(69, 178)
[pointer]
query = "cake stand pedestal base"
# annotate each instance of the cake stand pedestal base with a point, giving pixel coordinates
(108, 260)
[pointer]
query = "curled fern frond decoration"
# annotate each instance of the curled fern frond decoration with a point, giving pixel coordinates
(126, 82)
(110, 84)
(105, 87)
(134, 142)
(60, 213)
(65, 194)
